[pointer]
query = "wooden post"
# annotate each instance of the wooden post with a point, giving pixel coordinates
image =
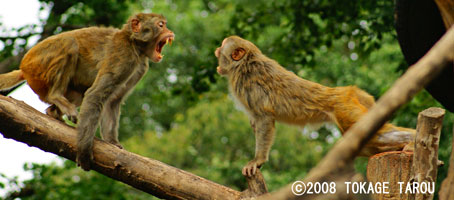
(447, 187)
(425, 160)
(406, 167)
(391, 167)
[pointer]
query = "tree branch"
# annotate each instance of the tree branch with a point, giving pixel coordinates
(23, 123)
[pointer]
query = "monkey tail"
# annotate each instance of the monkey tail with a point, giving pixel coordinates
(11, 79)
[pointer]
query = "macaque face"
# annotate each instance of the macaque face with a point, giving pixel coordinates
(232, 53)
(152, 29)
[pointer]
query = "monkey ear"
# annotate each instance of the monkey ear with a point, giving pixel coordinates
(238, 53)
(135, 25)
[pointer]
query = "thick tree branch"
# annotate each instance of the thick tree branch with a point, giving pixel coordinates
(23, 123)
(447, 11)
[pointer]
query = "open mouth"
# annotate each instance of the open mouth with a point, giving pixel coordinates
(160, 45)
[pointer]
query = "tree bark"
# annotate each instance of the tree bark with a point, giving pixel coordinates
(447, 186)
(358, 135)
(446, 8)
(425, 164)
(21, 122)
(256, 186)
(391, 167)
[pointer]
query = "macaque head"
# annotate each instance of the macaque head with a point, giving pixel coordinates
(233, 53)
(151, 29)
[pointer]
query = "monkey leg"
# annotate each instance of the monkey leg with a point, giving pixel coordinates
(54, 112)
(364, 98)
(61, 70)
(264, 138)
(353, 103)
(390, 138)
(109, 122)
(63, 105)
(73, 96)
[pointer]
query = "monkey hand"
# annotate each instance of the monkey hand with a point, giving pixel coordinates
(251, 167)
(84, 157)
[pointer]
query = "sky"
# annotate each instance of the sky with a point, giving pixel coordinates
(13, 155)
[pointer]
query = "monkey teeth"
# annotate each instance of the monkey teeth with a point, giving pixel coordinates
(160, 45)
(169, 41)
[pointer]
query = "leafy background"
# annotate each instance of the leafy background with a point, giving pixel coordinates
(181, 114)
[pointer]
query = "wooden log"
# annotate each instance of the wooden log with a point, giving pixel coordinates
(425, 160)
(447, 186)
(21, 122)
(446, 8)
(391, 167)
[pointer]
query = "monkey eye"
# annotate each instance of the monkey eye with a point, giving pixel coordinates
(161, 24)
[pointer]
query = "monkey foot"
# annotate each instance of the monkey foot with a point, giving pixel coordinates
(73, 119)
(84, 160)
(117, 144)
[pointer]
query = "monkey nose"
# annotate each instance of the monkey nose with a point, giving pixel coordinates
(216, 53)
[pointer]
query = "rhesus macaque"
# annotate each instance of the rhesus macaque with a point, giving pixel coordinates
(94, 68)
(267, 92)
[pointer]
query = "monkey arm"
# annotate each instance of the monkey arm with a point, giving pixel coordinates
(264, 138)
(111, 111)
(106, 83)
(252, 123)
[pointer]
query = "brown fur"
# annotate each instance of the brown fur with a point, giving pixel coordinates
(93, 68)
(268, 92)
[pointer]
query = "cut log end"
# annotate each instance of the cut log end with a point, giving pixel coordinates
(433, 112)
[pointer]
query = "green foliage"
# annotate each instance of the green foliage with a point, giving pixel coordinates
(68, 182)
(180, 113)
(298, 28)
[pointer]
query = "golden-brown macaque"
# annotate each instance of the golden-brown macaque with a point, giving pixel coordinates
(94, 68)
(267, 92)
